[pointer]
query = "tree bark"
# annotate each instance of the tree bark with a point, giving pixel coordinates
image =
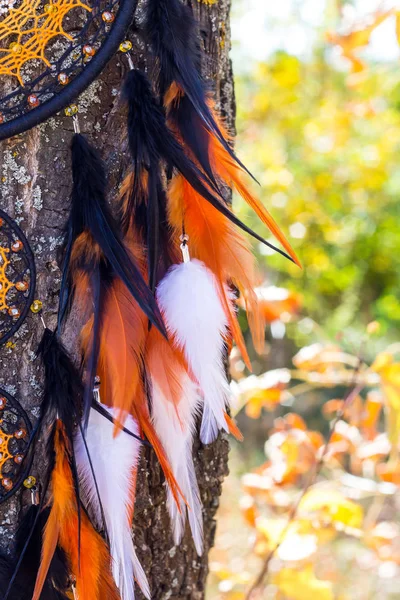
(35, 186)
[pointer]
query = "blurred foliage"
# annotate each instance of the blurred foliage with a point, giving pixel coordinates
(325, 145)
(321, 512)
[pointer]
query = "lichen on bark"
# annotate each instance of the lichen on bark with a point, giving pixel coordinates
(35, 184)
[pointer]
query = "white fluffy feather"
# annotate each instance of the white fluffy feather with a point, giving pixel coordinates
(175, 427)
(193, 313)
(114, 460)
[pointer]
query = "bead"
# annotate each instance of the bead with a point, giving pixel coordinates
(7, 483)
(30, 482)
(125, 46)
(22, 286)
(20, 434)
(15, 48)
(3, 402)
(33, 100)
(88, 50)
(184, 238)
(14, 312)
(108, 16)
(50, 9)
(18, 458)
(1, 118)
(36, 306)
(63, 78)
(1, 222)
(71, 110)
(17, 246)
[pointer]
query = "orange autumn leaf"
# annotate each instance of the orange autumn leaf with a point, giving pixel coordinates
(389, 472)
(351, 43)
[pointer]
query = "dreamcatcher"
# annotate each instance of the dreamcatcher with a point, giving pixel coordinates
(15, 430)
(153, 288)
(17, 277)
(51, 51)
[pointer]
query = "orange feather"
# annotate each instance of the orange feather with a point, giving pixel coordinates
(229, 171)
(91, 565)
(233, 428)
(166, 364)
(122, 338)
(123, 335)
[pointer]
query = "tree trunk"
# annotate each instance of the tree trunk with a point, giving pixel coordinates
(35, 186)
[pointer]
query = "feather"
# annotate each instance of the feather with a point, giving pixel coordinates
(190, 303)
(90, 563)
(114, 462)
(143, 108)
(122, 338)
(62, 393)
(224, 250)
(224, 167)
(95, 256)
(57, 581)
(175, 406)
(90, 213)
(173, 34)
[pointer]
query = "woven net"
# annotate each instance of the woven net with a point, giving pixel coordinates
(33, 27)
(17, 277)
(15, 430)
(44, 46)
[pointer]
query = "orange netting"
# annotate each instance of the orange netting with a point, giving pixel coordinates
(5, 453)
(29, 28)
(5, 283)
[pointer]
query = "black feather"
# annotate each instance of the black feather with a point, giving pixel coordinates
(62, 400)
(63, 389)
(153, 227)
(146, 116)
(173, 34)
(29, 545)
(90, 212)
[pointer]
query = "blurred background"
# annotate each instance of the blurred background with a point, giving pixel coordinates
(311, 505)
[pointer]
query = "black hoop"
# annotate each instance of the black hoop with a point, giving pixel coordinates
(29, 262)
(72, 90)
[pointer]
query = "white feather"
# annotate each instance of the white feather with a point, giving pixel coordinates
(189, 300)
(175, 426)
(114, 460)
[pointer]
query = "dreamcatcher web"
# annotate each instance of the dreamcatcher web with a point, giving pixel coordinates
(31, 26)
(50, 51)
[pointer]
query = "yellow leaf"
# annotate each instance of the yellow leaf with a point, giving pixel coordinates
(302, 585)
(274, 529)
(382, 360)
(332, 506)
(389, 372)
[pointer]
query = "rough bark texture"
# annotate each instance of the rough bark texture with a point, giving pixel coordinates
(35, 186)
